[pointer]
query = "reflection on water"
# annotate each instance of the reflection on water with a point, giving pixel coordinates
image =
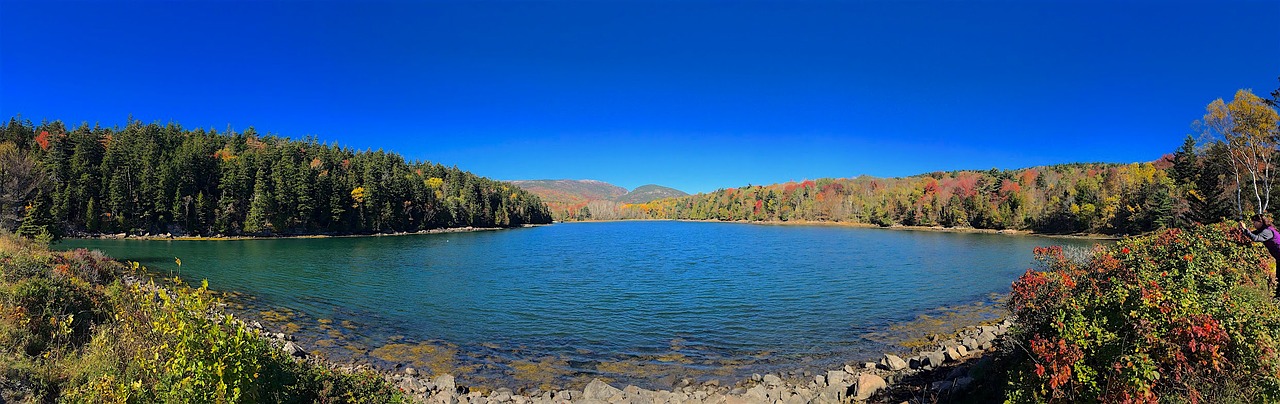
(637, 302)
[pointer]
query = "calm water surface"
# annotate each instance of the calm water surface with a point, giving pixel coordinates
(642, 302)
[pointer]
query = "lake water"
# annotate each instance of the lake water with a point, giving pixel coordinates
(639, 302)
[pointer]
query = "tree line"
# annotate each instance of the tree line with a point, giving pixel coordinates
(153, 179)
(1225, 172)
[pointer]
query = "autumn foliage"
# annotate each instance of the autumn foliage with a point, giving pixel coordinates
(1179, 315)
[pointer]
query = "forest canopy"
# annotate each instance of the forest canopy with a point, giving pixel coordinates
(1225, 171)
(153, 179)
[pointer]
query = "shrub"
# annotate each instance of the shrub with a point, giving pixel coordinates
(1171, 316)
(71, 331)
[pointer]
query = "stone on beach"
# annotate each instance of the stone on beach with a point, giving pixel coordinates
(934, 358)
(867, 385)
(598, 390)
(893, 362)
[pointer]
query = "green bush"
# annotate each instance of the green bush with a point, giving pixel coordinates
(1174, 316)
(71, 331)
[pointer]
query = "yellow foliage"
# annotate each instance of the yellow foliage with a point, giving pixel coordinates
(434, 182)
(358, 194)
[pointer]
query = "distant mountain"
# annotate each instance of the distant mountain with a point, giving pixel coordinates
(582, 199)
(572, 191)
(650, 193)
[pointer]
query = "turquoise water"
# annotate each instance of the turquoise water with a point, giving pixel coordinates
(635, 301)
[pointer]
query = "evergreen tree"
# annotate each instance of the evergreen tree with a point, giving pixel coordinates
(39, 223)
(259, 207)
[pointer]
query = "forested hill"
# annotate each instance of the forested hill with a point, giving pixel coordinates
(591, 199)
(1071, 198)
(649, 193)
(148, 178)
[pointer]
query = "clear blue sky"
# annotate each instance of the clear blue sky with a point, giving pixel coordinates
(694, 95)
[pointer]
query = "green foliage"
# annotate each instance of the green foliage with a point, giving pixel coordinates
(166, 179)
(38, 224)
(1166, 317)
(71, 331)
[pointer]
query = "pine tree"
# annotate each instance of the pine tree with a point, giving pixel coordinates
(91, 216)
(259, 207)
(39, 223)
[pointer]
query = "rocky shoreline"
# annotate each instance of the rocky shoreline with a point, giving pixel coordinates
(951, 367)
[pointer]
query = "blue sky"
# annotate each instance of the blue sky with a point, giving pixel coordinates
(694, 95)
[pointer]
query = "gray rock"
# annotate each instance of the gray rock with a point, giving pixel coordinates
(294, 350)
(632, 391)
(836, 378)
(444, 397)
(795, 399)
(915, 362)
(894, 362)
(500, 396)
(849, 369)
(970, 343)
(410, 371)
(756, 394)
(446, 384)
(962, 350)
(934, 359)
(952, 354)
(867, 385)
(598, 390)
(772, 380)
(820, 380)
(868, 365)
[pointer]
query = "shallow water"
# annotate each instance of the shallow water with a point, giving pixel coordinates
(639, 302)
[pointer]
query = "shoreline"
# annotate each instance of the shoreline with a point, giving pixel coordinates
(822, 223)
(937, 355)
(169, 237)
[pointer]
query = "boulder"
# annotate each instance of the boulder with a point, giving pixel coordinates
(772, 380)
(867, 385)
(598, 390)
(294, 350)
(934, 359)
(445, 383)
(836, 378)
(893, 362)
(962, 350)
(756, 394)
(952, 354)
(410, 371)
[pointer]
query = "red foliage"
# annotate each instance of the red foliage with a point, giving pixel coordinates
(1009, 188)
(43, 140)
(1059, 356)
